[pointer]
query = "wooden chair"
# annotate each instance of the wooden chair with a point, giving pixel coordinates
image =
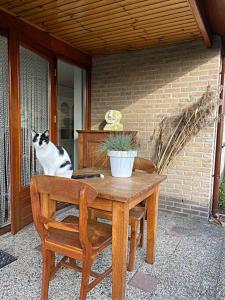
(74, 238)
(136, 215)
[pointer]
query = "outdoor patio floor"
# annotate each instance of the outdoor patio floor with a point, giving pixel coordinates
(189, 264)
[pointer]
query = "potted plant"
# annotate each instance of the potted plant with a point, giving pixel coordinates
(121, 149)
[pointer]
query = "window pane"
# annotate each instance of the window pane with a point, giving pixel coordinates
(71, 83)
(4, 134)
(34, 99)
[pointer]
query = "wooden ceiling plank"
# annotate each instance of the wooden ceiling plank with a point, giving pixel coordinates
(138, 44)
(104, 7)
(130, 30)
(88, 39)
(101, 12)
(120, 38)
(112, 27)
(154, 27)
(117, 43)
(15, 6)
(2, 2)
(38, 4)
(60, 6)
(101, 23)
(156, 44)
(12, 4)
(179, 13)
(67, 9)
(111, 15)
(201, 21)
(73, 7)
(78, 6)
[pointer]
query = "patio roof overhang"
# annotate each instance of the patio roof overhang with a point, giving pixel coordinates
(215, 13)
(108, 26)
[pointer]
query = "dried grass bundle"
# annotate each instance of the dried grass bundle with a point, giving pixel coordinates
(175, 132)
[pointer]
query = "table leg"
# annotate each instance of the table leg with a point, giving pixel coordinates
(152, 218)
(120, 222)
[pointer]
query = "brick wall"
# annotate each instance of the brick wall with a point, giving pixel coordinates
(148, 84)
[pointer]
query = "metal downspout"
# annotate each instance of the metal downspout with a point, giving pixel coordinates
(219, 139)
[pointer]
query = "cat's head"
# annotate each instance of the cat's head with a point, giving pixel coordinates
(40, 140)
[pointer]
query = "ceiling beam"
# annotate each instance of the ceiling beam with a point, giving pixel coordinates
(201, 21)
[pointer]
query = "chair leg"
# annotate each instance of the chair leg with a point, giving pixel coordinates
(87, 263)
(47, 259)
(91, 215)
(142, 229)
(133, 245)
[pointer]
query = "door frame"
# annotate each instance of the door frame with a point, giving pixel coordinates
(21, 213)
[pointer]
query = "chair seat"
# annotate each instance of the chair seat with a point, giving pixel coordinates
(99, 234)
(136, 213)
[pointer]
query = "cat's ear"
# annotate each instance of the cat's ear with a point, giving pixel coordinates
(46, 133)
(33, 133)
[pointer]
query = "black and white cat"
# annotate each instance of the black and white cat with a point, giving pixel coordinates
(54, 159)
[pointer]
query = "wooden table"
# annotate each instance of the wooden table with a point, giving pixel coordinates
(119, 195)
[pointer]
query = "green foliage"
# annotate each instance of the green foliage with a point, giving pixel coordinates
(119, 142)
(222, 195)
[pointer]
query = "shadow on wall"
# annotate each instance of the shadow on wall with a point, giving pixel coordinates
(150, 81)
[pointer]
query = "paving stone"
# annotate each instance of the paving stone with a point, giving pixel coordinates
(173, 231)
(145, 282)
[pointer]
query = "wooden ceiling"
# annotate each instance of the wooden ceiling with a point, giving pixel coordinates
(107, 26)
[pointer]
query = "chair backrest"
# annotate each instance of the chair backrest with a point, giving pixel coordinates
(47, 190)
(144, 165)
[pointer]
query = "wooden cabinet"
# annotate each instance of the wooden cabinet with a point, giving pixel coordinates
(88, 147)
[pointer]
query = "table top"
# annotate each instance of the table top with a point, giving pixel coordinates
(121, 189)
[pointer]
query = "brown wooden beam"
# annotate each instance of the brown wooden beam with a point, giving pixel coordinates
(37, 36)
(14, 121)
(201, 21)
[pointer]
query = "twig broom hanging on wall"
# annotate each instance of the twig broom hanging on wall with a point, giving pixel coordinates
(175, 132)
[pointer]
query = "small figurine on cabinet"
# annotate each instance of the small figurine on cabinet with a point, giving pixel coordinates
(113, 118)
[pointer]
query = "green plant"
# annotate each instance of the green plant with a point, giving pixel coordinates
(119, 142)
(222, 195)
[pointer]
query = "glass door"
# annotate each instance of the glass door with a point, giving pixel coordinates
(5, 217)
(71, 86)
(32, 112)
(34, 108)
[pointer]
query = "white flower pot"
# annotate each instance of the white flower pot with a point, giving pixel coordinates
(122, 162)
